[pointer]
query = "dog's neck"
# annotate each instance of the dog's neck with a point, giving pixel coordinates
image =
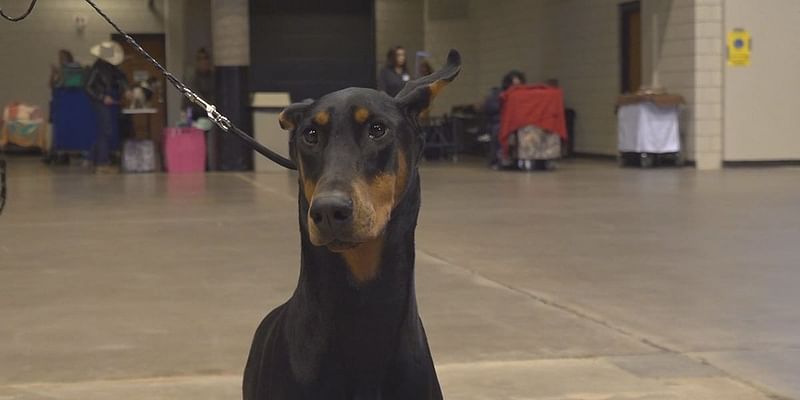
(338, 316)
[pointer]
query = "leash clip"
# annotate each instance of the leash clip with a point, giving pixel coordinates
(211, 110)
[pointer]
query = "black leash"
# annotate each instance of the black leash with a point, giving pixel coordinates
(23, 16)
(220, 120)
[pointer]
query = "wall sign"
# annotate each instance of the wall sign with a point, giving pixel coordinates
(739, 46)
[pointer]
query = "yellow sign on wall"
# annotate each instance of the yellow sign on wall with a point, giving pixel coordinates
(739, 46)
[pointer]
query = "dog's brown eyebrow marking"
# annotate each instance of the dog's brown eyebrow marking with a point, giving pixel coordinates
(361, 115)
(322, 118)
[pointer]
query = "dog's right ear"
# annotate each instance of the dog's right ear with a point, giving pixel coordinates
(417, 95)
(290, 115)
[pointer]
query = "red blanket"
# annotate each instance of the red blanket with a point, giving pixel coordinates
(538, 105)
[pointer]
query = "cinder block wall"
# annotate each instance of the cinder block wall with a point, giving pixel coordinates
(511, 37)
(493, 38)
(454, 24)
(399, 22)
(582, 51)
(689, 62)
(706, 103)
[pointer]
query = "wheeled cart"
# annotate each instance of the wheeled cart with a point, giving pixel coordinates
(648, 131)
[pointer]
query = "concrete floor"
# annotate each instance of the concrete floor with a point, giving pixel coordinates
(592, 282)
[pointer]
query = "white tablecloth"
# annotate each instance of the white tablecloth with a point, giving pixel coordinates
(647, 128)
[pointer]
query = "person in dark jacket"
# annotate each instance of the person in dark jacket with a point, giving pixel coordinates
(394, 74)
(106, 85)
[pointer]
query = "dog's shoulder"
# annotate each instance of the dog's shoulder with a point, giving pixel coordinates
(264, 342)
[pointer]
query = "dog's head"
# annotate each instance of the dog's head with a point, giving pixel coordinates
(355, 150)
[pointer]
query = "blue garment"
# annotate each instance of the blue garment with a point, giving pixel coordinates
(74, 120)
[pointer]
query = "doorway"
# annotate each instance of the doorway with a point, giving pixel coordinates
(631, 46)
(138, 69)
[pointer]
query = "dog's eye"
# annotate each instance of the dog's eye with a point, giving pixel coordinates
(311, 136)
(377, 130)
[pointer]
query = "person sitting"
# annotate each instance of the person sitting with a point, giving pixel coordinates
(492, 108)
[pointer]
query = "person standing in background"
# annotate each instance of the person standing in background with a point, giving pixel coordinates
(106, 85)
(67, 73)
(394, 74)
(424, 69)
(201, 80)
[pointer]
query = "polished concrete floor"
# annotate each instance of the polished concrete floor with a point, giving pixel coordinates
(592, 282)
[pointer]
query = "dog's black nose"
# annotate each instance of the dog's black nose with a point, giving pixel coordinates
(332, 212)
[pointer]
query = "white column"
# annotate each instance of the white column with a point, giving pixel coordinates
(230, 28)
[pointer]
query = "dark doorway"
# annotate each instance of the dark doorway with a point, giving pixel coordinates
(136, 67)
(311, 47)
(631, 45)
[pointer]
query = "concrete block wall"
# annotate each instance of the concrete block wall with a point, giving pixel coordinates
(493, 38)
(582, 51)
(31, 46)
(706, 104)
(511, 37)
(461, 31)
(230, 30)
(689, 62)
(399, 22)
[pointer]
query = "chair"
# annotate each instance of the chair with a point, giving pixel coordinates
(441, 142)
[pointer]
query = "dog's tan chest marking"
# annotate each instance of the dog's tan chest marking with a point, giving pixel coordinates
(363, 261)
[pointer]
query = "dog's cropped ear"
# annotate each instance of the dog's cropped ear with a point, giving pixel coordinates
(290, 115)
(417, 96)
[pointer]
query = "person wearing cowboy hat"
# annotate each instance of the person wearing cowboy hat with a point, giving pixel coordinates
(106, 85)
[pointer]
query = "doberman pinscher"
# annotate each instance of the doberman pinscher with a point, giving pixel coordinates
(351, 330)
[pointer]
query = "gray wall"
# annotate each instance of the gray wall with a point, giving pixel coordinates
(493, 38)
(762, 105)
(399, 22)
(30, 47)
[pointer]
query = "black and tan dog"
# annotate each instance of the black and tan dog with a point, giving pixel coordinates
(351, 329)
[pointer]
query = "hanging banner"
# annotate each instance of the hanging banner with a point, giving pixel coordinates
(739, 47)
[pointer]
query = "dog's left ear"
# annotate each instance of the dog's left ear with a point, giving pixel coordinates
(417, 96)
(290, 115)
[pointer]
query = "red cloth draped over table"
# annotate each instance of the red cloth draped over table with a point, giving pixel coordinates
(539, 105)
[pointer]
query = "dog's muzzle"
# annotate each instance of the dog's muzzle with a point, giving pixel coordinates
(332, 215)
